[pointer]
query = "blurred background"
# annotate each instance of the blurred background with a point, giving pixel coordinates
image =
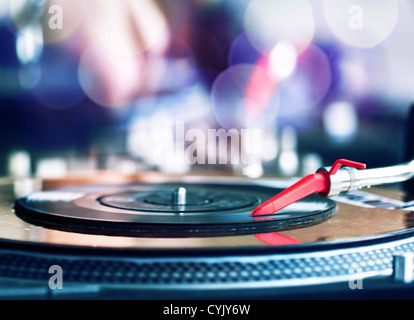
(89, 85)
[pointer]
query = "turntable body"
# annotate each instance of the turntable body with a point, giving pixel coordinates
(337, 248)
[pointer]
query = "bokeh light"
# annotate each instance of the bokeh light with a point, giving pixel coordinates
(364, 75)
(242, 51)
(361, 23)
(269, 21)
(19, 164)
(58, 18)
(288, 158)
(311, 162)
(56, 167)
(28, 50)
(302, 71)
(340, 121)
(242, 97)
(282, 59)
(305, 88)
(261, 88)
(270, 146)
(4, 6)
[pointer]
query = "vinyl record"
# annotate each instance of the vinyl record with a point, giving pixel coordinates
(167, 210)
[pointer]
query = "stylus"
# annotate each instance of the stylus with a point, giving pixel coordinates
(335, 180)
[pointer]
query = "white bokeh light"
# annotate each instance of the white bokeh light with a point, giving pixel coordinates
(288, 158)
(29, 14)
(4, 5)
(340, 121)
(270, 21)
(361, 23)
(282, 59)
(27, 49)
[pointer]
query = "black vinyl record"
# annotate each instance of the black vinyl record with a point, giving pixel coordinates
(156, 210)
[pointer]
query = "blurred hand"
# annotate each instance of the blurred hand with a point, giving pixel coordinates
(119, 35)
(114, 40)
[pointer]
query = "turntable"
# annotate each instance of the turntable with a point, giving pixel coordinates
(195, 238)
(95, 86)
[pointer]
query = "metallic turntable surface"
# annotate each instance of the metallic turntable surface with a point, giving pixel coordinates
(325, 255)
(347, 223)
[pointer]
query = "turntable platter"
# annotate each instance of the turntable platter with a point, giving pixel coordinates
(349, 223)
